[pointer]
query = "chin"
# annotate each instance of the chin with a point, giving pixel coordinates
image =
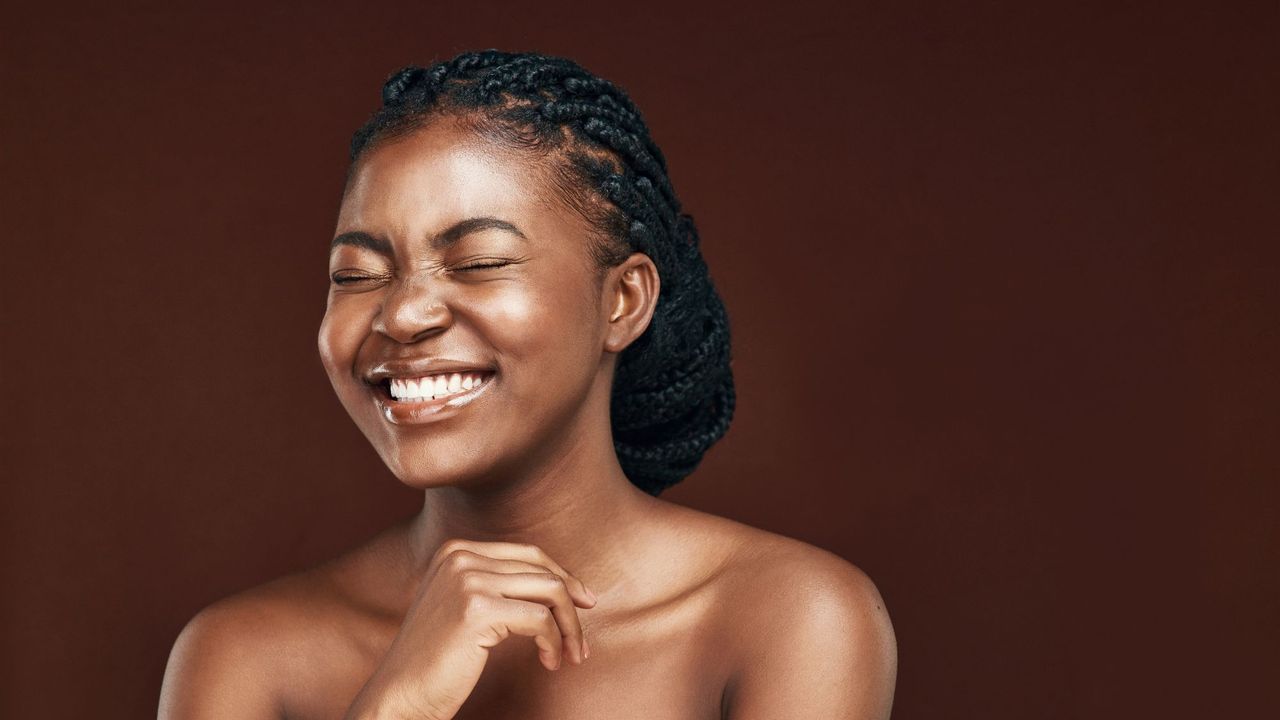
(433, 467)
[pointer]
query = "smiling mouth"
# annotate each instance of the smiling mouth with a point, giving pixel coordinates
(430, 399)
(436, 389)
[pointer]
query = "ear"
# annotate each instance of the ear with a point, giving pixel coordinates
(631, 294)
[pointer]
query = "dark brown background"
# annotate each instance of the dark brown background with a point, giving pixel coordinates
(1002, 281)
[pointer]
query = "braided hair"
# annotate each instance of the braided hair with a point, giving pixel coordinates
(673, 393)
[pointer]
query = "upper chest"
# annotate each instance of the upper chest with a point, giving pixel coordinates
(669, 661)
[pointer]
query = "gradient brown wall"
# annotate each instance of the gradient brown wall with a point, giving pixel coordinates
(1002, 280)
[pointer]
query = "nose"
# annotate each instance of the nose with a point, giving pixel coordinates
(411, 310)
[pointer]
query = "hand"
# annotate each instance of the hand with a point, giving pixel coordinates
(473, 596)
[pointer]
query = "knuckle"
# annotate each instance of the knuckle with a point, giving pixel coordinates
(499, 631)
(532, 550)
(475, 606)
(470, 581)
(542, 613)
(448, 547)
(457, 560)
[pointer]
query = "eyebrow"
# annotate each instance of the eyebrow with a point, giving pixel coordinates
(441, 241)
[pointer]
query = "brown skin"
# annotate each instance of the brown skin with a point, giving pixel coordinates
(462, 610)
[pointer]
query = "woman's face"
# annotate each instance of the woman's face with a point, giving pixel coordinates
(410, 296)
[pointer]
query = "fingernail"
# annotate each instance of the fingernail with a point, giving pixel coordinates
(586, 648)
(594, 599)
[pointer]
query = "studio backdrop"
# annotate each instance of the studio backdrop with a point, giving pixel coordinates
(1001, 281)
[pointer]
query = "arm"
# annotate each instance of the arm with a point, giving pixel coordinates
(216, 668)
(821, 646)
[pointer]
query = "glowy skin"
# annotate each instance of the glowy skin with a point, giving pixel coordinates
(532, 548)
(535, 319)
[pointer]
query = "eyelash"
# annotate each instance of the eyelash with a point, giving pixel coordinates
(481, 266)
(348, 279)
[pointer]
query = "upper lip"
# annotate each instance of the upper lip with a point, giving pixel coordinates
(420, 367)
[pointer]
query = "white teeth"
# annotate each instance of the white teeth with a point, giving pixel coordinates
(433, 386)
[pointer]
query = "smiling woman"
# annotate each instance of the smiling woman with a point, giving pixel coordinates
(521, 323)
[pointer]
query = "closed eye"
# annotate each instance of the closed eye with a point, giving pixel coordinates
(482, 266)
(350, 279)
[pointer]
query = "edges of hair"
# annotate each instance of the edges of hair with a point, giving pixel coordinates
(673, 394)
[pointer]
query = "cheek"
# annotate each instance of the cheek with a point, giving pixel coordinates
(338, 340)
(546, 328)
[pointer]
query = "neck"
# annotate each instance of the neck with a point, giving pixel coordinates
(575, 504)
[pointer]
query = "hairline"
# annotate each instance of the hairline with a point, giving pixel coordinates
(554, 188)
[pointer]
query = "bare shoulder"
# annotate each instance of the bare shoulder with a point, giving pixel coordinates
(245, 655)
(814, 578)
(808, 630)
(753, 556)
(226, 661)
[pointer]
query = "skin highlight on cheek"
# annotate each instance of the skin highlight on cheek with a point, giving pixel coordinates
(422, 218)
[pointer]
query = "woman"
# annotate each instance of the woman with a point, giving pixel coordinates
(521, 323)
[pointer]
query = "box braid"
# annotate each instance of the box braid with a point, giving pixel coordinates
(673, 392)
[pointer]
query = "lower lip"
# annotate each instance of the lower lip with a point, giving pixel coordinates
(421, 412)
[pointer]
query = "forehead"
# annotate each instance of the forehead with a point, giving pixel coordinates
(438, 174)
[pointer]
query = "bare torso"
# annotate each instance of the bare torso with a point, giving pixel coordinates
(666, 646)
